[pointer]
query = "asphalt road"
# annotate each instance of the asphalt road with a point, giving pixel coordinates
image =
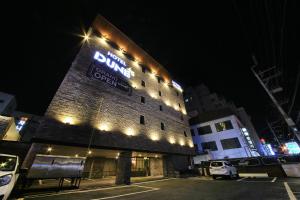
(189, 189)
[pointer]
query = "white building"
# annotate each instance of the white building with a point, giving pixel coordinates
(225, 137)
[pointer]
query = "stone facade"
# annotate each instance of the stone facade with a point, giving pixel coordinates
(112, 116)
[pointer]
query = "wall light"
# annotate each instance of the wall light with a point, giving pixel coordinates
(49, 149)
(154, 136)
(129, 132)
(104, 126)
(68, 120)
(172, 140)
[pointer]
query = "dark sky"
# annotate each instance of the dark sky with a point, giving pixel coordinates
(208, 42)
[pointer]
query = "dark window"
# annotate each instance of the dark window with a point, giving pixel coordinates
(160, 108)
(223, 126)
(144, 69)
(216, 164)
(142, 119)
(209, 146)
(143, 83)
(177, 93)
(184, 133)
(162, 126)
(159, 93)
(231, 143)
(179, 105)
(192, 132)
(196, 147)
(143, 99)
(181, 117)
(204, 130)
(158, 79)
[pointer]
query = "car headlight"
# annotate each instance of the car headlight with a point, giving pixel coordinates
(4, 180)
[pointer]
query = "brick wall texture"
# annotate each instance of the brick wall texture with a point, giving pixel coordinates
(92, 105)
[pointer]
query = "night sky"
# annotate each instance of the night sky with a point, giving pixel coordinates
(208, 42)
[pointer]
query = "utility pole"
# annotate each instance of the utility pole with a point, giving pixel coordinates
(273, 132)
(288, 120)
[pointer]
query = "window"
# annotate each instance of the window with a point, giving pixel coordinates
(143, 83)
(184, 133)
(204, 130)
(162, 126)
(143, 99)
(223, 126)
(179, 105)
(144, 69)
(196, 147)
(160, 108)
(159, 93)
(231, 143)
(177, 93)
(209, 146)
(158, 79)
(192, 132)
(142, 119)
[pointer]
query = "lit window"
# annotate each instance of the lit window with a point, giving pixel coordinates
(223, 126)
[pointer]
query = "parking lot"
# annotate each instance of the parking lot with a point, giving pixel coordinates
(186, 188)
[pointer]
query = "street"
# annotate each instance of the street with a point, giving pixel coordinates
(187, 188)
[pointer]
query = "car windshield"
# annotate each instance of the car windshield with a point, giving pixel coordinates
(7, 163)
(216, 164)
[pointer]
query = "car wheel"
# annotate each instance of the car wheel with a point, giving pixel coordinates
(214, 177)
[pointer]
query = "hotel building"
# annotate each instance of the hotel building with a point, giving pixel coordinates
(118, 107)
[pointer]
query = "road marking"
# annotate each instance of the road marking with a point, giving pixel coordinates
(128, 194)
(67, 180)
(253, 175)
(76, 191)
(166, 179)
(241, 179)
(274, 179)
(289, 191)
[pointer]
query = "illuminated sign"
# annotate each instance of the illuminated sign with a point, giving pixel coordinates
(101, 73)
(114, 62)
(270, 149)
(21, 123)
(293, 147)
(177, 86)
(246, 134)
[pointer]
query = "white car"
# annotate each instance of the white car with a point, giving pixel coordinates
(8, 174)
(222, 169)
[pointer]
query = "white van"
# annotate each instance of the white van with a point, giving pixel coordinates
(8, 174)
(222, 169)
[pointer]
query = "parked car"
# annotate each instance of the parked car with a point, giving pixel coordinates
(8, 174)
(222, 169)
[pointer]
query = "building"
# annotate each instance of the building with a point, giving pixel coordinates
(200, 102)
(7, 104)
(221, 135)
(118, 107)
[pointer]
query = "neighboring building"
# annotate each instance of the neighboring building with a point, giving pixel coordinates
(200, 102)
(120, 108)
(7, 104)
(222, 135)
(8, 130)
